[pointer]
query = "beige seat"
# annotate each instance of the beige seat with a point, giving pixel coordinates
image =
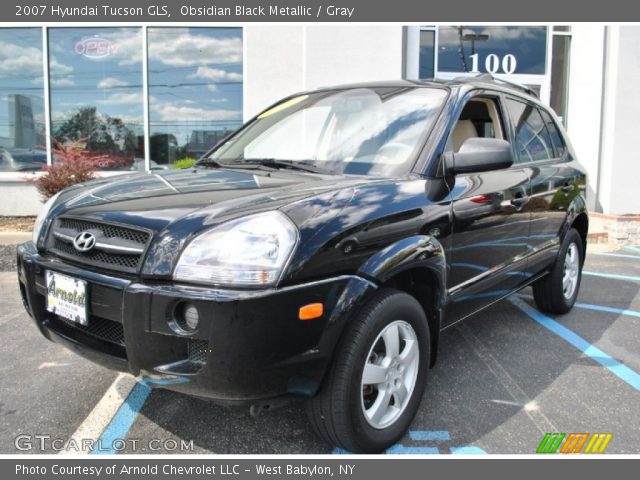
(463, 130)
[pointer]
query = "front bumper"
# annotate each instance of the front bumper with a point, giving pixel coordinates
(250, 345)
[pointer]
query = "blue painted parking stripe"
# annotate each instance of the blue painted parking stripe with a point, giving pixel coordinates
(430, 435)
(467, 450)
(614, 366)
(614, 276)
(398, 449)
(602, 308)
(632, 248)
(122, 421)
(620, 255)
(125, 417)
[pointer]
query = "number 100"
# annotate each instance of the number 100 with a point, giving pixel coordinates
(492, 63)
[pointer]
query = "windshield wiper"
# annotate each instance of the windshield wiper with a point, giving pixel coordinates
(209, 162)
(278, 164)
(263, 163)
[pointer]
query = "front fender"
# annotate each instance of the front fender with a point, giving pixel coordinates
(418, 251)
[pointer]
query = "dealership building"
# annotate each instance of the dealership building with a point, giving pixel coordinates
(144, 97)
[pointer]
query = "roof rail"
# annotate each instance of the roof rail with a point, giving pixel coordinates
(487, 77)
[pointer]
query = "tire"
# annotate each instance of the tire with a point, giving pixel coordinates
(342, 413)
(552, 293)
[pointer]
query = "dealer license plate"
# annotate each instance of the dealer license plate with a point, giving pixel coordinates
(67, 297)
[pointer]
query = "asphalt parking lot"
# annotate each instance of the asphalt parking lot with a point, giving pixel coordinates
(503, 380)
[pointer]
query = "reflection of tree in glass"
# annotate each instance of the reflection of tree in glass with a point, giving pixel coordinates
(73, 165)
(103, 134)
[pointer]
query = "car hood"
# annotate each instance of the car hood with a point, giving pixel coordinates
(177, 205)
(154, 200)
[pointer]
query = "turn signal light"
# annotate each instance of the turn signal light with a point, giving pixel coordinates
(310, 312)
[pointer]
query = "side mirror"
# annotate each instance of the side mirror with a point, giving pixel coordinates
(481, 155)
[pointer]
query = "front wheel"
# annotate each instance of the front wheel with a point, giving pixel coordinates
(558, 291)
(378, 376)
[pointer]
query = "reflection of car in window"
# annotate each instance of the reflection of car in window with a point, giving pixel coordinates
(139, 165)
(319, 250)
(16, 159)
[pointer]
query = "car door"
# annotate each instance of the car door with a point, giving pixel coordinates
(555, 181)
(490, 223)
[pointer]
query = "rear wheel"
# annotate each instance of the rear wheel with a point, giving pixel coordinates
(558, 291)
(376, 382)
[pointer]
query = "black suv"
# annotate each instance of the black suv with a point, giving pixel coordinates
(319, 250)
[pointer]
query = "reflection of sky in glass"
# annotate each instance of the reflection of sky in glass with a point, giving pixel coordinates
(110, 80)
(426, 54)
(195, 89)
(21, 97)
(527, 44)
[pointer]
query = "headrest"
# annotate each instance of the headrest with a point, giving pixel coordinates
(476, 111)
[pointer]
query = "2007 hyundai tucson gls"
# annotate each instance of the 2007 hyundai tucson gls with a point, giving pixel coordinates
(318, 251)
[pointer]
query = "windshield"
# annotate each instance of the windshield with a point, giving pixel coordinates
(361, 131)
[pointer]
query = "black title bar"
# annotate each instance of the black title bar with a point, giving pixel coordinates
(242, 11)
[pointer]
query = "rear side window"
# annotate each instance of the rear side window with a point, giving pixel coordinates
(533, 141)
(554, 133)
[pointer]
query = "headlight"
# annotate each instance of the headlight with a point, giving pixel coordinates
(249, 251)
(42, 216)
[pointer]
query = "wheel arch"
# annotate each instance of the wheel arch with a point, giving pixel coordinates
(422, 284)
(415, 265)
(581, 224)
(578, 218)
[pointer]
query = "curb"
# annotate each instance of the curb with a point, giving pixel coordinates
(13, 238)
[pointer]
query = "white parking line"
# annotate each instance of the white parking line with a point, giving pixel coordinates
(95, 423)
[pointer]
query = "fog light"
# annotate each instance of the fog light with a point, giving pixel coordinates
(187, 317)
(191, 317)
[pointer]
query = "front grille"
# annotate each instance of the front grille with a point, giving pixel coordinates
(198, 350)
(109, 231)
(101, 328)
(129, 262)
(117, 247)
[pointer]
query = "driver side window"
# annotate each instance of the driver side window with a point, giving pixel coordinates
(480, 117)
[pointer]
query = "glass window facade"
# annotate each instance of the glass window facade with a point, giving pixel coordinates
(95, 82)
(504, 49)
(22, 119)
(97, 96)
(535, 56)
(195, 90)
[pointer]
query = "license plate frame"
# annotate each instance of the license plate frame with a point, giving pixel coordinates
(67, 297)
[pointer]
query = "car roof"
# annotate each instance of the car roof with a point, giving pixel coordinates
(467, 82)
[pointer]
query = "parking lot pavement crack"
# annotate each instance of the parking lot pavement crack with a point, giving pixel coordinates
(518, 395)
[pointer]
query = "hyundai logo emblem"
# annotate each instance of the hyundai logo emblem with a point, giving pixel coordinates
(84, 241)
